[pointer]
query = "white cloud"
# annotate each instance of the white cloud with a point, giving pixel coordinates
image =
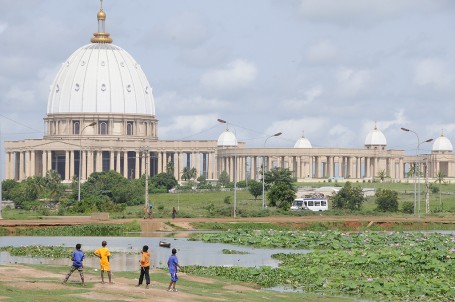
(21, 97)
(292, 129)
(184, 30)
(341, 136)
(234, 76)
(171, 102)
(433, 72)
(310, 95)
(3, 27)
(348, 12)
(182, 126)
(351, 82)
(321, 52)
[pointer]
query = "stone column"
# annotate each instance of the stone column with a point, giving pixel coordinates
(136, 172)
(316, 167)
(118, 167)
(160, 162)
(99, 161)
(49, 161)
(298, 166)
(21, 165)
(125, 164)
(111, 160)
(330, 166)
(367, 166)
(89, 163)
(67, 165)
(7, 165)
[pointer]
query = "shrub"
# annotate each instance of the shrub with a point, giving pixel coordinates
(386, 200)
(407, 207)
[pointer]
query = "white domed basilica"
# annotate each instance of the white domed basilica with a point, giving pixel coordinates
(101, 117)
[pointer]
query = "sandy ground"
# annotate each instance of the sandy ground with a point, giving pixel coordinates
(20, 277)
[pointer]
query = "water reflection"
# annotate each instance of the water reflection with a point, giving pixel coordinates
(189, 252)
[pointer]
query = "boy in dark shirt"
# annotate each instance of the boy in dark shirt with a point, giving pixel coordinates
(77, 256)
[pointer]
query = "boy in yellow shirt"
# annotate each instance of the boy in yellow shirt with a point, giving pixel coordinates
(104, 254)
(145, 267)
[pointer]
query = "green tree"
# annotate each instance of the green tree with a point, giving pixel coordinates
(164, 181)
(7, 186)
(24, 193)
(348, 197)
(386, 200)
(280, 184)
(224, 179)
(255, 188)
(115, 186)
(53, 185)
(281, 195)
(278, 175)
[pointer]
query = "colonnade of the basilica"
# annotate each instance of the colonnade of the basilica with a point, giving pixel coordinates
(250, 167)
(210, 162)
(131, 164)
(337, 167)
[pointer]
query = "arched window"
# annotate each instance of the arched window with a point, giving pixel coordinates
(76, 127)
(129, 128)
(103, 128)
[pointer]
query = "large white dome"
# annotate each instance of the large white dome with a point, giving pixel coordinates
(227, 139)
(442, 144)
(101, 78)
(303, 142)
(375, 138)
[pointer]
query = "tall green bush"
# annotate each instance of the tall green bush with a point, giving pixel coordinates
(386, 200)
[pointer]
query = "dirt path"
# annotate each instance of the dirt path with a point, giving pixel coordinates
(159, 224)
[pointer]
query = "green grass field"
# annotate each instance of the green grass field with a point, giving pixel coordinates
(221, 204)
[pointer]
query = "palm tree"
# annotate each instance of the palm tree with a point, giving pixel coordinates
(189, 173)
(413, 170)
(170, 168)
(382, 175)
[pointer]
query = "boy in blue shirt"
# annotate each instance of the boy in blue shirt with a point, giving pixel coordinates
(77, 256)
(173, 264)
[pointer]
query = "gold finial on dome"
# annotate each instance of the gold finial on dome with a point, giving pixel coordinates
(101, 36)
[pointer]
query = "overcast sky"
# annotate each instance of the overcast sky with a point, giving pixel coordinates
(328, 68)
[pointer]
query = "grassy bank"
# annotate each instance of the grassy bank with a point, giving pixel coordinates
(20, 283)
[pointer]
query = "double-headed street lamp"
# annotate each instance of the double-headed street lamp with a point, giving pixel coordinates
(417, 208)
(263, 168)
(80, 160)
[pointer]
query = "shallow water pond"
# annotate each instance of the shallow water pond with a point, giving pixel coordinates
(126, 252)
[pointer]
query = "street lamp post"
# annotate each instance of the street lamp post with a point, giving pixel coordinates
(418, 169)
(80, 160)
(1, 179)
(263, 169)
(235, 172)
(144, 151)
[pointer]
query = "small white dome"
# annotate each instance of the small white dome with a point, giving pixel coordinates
(375, 138)
(227, 139)
(442, 144)
(303, 142)
(101, 78)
